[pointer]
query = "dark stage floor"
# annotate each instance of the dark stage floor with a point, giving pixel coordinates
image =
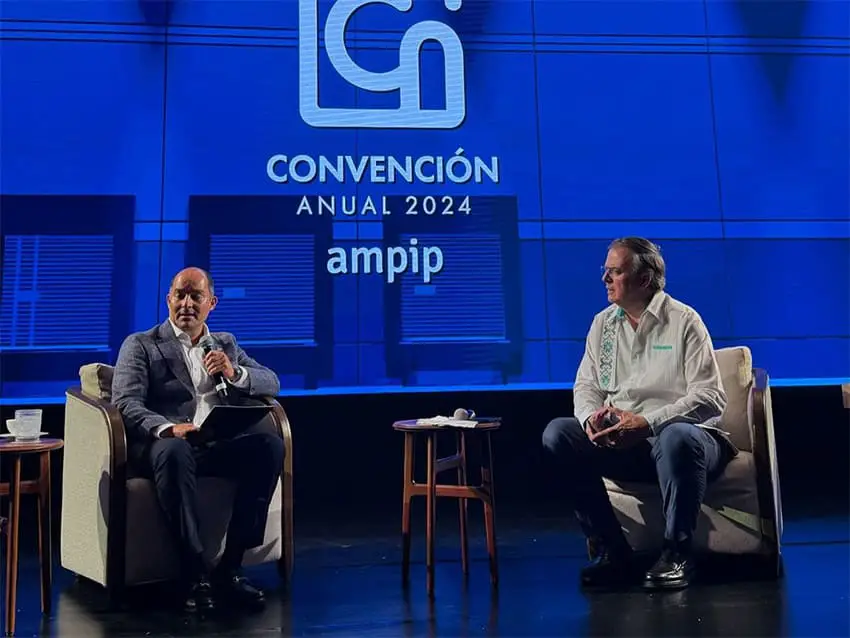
(347, 583)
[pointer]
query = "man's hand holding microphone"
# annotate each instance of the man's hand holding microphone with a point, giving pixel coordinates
(219, 367)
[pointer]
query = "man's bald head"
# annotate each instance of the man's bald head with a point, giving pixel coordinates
(190, 300)
(194, 274)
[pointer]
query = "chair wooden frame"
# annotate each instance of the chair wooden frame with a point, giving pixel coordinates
(764, 454)
(116, 545)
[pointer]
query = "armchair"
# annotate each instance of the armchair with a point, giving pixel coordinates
(742, 509)
(113, 532)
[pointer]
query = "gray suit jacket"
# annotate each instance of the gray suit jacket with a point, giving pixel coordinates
(151, 384)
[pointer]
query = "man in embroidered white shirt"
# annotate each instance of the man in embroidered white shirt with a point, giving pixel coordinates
(163, 385)
(648, 399)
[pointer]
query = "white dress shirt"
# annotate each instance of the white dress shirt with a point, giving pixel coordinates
(205, 394)
(664, 370)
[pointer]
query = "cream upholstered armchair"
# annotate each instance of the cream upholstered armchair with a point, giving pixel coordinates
(742, 510)
(113, 531)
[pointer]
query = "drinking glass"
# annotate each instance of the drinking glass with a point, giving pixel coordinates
(27, 424)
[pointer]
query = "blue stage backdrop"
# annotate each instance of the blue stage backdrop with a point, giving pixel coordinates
(418, 194)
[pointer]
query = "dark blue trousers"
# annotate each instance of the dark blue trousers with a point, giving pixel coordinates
(682, 459)
(253, 460)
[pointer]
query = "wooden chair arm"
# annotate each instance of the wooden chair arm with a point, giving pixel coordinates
(764, 455)
(761, 382)
(285, 429)
(286, 479)
(117, 432)
(116, 539)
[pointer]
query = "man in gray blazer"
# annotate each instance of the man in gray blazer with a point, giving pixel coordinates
(164, 388)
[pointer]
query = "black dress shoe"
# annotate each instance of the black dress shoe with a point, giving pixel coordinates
(609, 569)
(238, 590)
(199, 598)
(673, 570)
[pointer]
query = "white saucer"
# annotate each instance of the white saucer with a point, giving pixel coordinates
(23, 440)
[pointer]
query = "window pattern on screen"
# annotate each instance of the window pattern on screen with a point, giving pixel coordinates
(465, 302)
(56, 292)
(266, 288)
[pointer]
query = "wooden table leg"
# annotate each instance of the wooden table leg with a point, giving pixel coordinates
(405, 505)
(45, 546)
(431, 512)
(12, 545)
(489, 509)
(462, 503)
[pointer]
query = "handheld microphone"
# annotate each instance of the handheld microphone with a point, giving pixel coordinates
(209, 344)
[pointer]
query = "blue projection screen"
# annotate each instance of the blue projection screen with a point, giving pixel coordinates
(396, 198)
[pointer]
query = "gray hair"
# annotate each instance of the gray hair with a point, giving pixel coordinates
(645, 258)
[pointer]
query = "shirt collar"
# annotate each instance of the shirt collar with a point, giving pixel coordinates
(184, 337)
(654, 307)
(656, 304)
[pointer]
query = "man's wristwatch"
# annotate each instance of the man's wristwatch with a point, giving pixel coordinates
(237, 373)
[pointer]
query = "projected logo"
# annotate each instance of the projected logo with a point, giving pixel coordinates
(405, 78)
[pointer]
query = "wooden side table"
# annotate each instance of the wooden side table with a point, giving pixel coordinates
(462, 491)
(13, 451)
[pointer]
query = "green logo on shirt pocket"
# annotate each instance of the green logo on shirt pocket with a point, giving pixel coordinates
(662, 347)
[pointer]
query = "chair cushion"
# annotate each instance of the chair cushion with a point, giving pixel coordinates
(730, 519)
(96, 380)
(736, 372)
(735, 487)
(150, 562)
(737, 481)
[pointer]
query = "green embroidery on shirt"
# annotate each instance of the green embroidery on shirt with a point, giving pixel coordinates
(608, 358)
(662, 347)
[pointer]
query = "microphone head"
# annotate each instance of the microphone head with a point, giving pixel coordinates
(464, 415)
(209, 344)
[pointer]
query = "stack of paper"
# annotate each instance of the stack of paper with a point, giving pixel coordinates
(446, 421)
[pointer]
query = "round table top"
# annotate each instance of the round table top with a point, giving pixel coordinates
(9, 445)
(409, 425)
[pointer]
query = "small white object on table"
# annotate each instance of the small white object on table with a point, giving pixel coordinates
(447, 421)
